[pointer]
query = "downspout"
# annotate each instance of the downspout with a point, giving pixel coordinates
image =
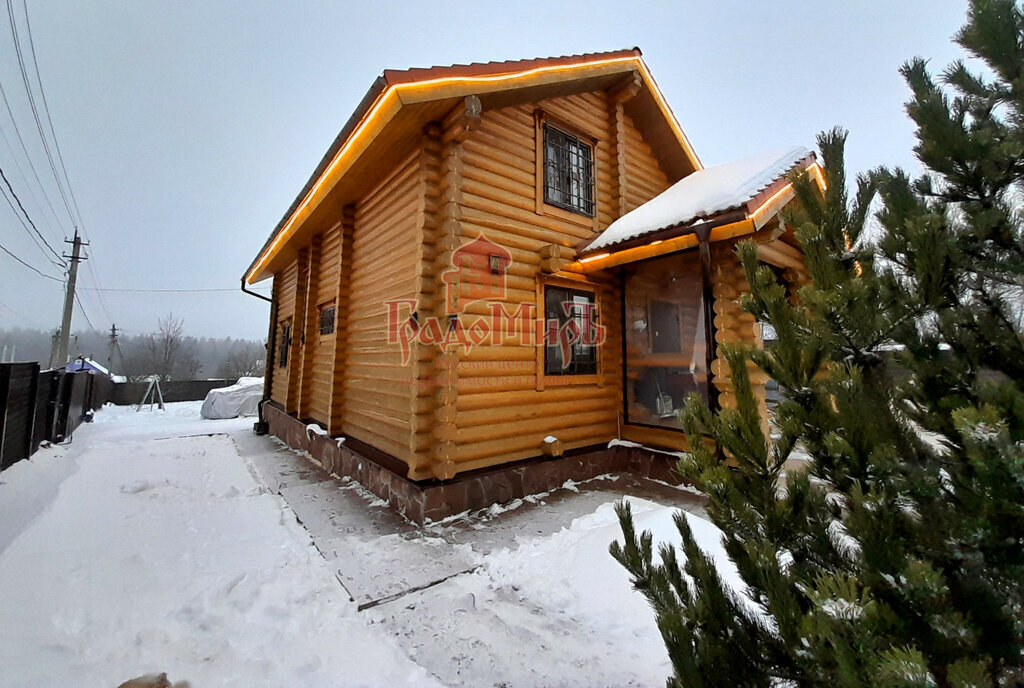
(703, 235)
(261, 427)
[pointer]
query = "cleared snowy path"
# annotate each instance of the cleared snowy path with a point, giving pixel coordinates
(163, 542)
(127, 554)
(523, 595)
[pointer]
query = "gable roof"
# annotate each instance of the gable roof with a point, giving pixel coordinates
(710, 192)
(420, 95)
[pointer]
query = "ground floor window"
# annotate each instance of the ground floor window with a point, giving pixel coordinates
(327, 318)
(284, 342)
(666, 338)
(571, 320)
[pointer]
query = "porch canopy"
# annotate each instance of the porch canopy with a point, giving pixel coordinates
(669, 313)
(711, 204)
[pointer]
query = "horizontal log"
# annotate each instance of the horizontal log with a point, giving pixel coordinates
(483, 454)
(555, 412)
(486, 399)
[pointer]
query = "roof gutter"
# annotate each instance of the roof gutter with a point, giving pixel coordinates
(252, 293)
(669, 232)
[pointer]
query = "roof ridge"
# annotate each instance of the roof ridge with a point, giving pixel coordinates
(411, 74)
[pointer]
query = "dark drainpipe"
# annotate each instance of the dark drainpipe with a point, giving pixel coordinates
(261, 427)
(703, 236)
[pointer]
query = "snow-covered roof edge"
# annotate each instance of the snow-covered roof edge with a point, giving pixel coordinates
(703, 194)
(85, 360)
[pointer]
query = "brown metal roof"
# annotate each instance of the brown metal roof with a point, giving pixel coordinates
(391, 77)
(404, 76)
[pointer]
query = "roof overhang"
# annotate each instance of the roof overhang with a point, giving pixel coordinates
(420, 96)
(750, 218)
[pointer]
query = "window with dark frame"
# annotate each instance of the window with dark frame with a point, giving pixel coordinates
(283, 344)
(327, 318)
(571, 319)
(568, 171)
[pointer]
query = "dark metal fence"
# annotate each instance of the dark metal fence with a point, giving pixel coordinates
(43, 405)
(130, 393)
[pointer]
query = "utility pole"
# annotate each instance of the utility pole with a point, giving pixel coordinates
(69, 300)
(111, 347)
(54, 338)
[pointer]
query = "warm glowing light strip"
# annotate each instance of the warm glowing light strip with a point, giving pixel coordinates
(669, 115)
(814, 169)
(788, 188)
(819, 175)
(393, 92)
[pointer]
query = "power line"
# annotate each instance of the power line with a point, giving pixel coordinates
(35, 110)
(84, 314)
(28, 156)
(33, 269)
(104, 306)
(76, 216)
(21, 220)
(24, 178)
(27, 217)
(92, 270)
(46, 110)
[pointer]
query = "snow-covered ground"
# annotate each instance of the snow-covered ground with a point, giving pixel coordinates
(164, 542)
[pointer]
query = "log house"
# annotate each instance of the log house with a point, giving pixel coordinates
(509, 262)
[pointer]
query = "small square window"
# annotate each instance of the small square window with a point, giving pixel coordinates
(570, 343)
(327, 318)
(568, 171)
(284, 343)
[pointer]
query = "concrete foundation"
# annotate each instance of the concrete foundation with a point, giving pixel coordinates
(433, 500)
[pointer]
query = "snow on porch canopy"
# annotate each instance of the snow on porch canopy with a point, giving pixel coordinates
(702, 195)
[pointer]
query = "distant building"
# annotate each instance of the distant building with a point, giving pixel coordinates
(81, 363)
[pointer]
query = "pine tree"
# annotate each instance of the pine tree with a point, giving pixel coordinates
(897, 557)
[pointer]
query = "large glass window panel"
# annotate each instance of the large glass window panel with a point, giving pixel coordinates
(665, 333)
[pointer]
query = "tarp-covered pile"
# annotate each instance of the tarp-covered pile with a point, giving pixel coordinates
(240, 399)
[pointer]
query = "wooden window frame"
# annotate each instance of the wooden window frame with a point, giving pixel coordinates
(320, 310)
(284, 342)
(543, 379)
(542, 119)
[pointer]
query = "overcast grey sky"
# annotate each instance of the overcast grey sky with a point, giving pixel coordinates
(187, 128)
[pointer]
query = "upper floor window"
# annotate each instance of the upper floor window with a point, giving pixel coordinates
(568, 171)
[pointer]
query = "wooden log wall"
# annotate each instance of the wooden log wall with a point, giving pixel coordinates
(386, 248)
(308, 336)
(435, 431)
(732, 324)
(439, 207)
(502, 411)
(321, 372)
(343, 296)
(285, 284)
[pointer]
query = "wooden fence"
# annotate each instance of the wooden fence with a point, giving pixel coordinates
(43, 405)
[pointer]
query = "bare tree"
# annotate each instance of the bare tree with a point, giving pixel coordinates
(168, 353)
(246, 360)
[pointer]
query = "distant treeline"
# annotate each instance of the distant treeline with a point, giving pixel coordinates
(166, 352)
